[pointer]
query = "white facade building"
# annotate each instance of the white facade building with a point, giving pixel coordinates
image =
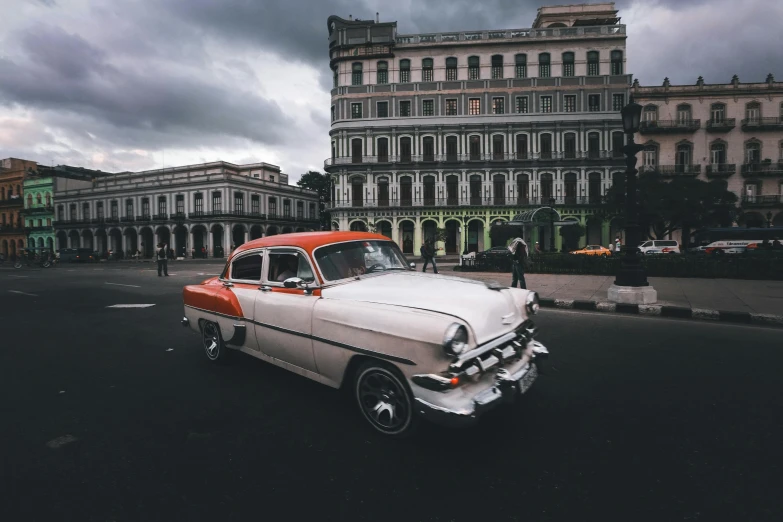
(212, 206)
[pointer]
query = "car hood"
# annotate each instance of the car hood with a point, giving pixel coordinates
(487, 312)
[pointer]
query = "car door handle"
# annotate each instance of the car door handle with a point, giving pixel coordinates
(228, 285)
(265, 288)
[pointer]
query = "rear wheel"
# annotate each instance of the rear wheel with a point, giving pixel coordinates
(384, 399)
(214, 347)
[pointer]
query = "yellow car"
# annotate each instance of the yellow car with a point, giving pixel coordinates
(594, 250)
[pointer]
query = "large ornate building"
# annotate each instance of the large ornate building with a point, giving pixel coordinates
(212, 206)
(12, 233)
(441, 135)
(731, 131)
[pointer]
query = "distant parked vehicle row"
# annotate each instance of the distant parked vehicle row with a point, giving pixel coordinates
(77, 255)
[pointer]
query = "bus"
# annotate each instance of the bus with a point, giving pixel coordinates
(705, 236)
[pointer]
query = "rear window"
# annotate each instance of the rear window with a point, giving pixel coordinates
(666, 243)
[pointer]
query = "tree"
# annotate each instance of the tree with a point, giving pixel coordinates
(680, 204)
(571, 235)
(322, 184)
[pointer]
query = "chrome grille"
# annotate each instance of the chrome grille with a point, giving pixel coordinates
(498, 355)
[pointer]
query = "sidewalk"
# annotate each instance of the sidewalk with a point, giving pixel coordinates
(726, 295)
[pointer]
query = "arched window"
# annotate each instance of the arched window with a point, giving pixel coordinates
(650, 113)
(569, 145)
(618, 142)
(683, 114)
(520, 63)
(38, 199)
(405, 71)
(428, 148)
(753, 153)
(570, 188)
(683, 157)
(29, 200)
(594, 188)
(406, 191)
(356, 73)
(593, 68)
(497, 66)
(499, 189)
(617, 62)
(452, 190)
(48, 200)
(521, 146)
(356, 150)
(383, 73)
(426, 70)
(498, 147)
(547, 189)
(544, 69)
(357, 192)
(383, 192)
(752, 113)
(429, 190)
(473, 68)
(568, 64)
(650, 157)
(593, 145)
(474, 147)
(717, 157)
(523, 189)
(85, 211)
(717, 113)
(451, 148)
(405, 150)
(545, 146)
(451, 69)
(475, 189)
(383, 150)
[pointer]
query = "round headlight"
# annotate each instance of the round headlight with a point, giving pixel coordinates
(455, 341)
(531, 303)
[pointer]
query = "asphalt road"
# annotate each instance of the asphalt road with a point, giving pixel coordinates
(115, 414)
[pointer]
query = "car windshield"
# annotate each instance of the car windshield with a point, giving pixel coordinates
(355, 258)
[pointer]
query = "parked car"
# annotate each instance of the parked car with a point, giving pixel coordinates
(346, 309)
(660, 246)
(76, 255)
(67, 255)
(593, 250)
(501, 251)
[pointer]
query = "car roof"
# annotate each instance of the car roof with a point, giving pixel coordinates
(308, 241)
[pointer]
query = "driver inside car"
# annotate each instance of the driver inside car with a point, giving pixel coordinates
(291, 265)
(356, 267)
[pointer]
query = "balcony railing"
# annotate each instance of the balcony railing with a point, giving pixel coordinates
(762, 169)
(721, 170)
(775, 200)
(475, 201)
(160, 217)
(38, 229)
(722, 125)
(476, 157)
(762, 124)
(39, 210)
(672, 170)
(11, 202)
(10, 229)
(669, 126)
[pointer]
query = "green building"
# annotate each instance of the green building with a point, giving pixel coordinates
(39, 207)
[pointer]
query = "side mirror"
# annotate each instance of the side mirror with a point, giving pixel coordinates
(413, 266)
(293, 282)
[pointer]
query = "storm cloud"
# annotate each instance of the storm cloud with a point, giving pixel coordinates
(114, 84)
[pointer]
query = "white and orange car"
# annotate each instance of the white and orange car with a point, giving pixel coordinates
(346, 309)
(593, 250)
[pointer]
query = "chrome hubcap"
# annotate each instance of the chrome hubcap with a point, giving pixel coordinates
(211, 340)
(383, 401)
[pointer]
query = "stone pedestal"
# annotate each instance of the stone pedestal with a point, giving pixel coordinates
(633, 294)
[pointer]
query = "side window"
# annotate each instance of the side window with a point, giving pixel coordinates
(289, 263)
(247, 268)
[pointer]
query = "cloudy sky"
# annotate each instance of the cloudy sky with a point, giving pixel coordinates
(137, 84)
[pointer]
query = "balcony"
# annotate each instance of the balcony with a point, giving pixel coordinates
(669, 126)
(144, 218)
(11, 202)
(475, 201)
(31, 211)
(38, 229)
(160, 217)
(760, 170)
(492, 157)
(722, 125)
(671, 171)
(721, 170)
(775, 200)
(10, 229)
(762, 124)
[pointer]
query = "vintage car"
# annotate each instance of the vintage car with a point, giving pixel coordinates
(347, 309)
(593, 250)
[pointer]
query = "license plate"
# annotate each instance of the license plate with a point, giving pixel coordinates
(527, 381)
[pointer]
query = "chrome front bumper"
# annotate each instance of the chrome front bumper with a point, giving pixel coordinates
(504, 388)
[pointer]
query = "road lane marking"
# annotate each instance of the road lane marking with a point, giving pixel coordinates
(10, 275)
(130, 306)
(120, 284)
(22, 293)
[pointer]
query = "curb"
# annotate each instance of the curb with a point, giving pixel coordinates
(678, 312)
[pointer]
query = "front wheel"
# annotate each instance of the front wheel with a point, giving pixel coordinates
(214, 347)
(46, 264)
(384, 399)
(18, 264)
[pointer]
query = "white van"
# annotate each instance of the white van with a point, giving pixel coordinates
(660, 246)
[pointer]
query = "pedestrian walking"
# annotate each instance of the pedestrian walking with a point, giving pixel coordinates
(538, 248)
(163, 263)
(518, 249)
(428, 253)
(617, 244)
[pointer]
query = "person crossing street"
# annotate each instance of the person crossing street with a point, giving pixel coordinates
(162, 258)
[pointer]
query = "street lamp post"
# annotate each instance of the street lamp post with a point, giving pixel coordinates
(630, 285)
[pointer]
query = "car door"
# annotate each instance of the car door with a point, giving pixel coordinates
(284, 316)
(239, 291)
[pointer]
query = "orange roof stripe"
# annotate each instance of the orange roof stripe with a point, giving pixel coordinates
(308, 241)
